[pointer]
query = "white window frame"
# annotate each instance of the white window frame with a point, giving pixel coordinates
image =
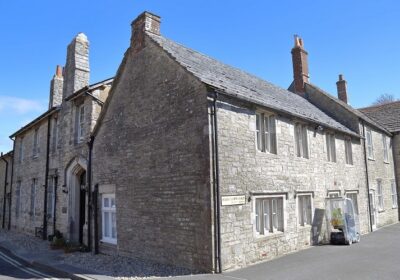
(331, 146)
(379, 195)
(394, 194)
(110, 210)
(348, 150)
(302, 214)
(35, 151)
(370, 143)
(266, 133)
(275, 228)
(80, 125)
(350, 194)
(385, 148)
(301, 140)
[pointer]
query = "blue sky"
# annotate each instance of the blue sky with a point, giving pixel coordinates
(357, 38)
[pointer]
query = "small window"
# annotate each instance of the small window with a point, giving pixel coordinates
(33, 199)
(269, 215)
(370, 146)
(266, 133)
(379, 194)
(21, 150)
(348, 151)
(301, 139)
(304, 209)
(18, 199)
(331, 147)
(385, 149)
(35, 151)
(353, 197)
(394, 194)
(80, 123)
(51, 197)
(109, 219)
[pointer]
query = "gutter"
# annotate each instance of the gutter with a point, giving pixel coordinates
(11, 185)
(216, 185)
(5, 191)
(46, 180)
(366, 173)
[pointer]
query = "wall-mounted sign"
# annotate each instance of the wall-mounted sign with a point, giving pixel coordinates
(233, 200)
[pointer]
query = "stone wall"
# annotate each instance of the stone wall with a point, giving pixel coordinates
(244, 170)
(153, 145)
(5, 184)
(396, 159)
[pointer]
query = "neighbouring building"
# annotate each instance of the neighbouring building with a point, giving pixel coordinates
(183, 160)
(5, 180)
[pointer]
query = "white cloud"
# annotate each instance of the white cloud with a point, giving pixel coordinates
(20, 106)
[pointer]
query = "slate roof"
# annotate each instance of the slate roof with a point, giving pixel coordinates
(386, 114)
(89, 88)
(356, 112)
(239, 84)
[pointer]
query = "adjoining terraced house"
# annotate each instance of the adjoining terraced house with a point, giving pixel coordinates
(191, 162)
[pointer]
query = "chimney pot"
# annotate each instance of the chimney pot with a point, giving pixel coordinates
(341, 85)
(59, 71)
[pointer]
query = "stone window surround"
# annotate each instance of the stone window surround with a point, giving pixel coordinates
(21, 150)
(385, 148)
(379, 195)
(298, 214)
(329, 193)
(284, 197)
(304, 150)
(36, 137)
(106, 189)
(270, 146)
(394, 194)
(330, 137)
(369, 143)
(348, 149)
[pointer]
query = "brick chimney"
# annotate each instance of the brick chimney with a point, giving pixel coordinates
(145, 22)
(342, 89)
(300, 66)
(56, 88)
(76, 72)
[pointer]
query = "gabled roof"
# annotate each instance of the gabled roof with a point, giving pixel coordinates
(386, 114)
(90, 88)
(346, 106)
(36, 121)
(239, 84)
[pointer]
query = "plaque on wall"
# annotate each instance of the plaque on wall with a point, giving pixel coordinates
(233, 200)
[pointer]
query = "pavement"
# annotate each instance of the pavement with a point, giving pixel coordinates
(375, 257)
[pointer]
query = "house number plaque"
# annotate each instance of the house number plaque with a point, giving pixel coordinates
(233, 200)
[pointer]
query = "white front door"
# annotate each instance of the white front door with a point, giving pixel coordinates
(372, 206)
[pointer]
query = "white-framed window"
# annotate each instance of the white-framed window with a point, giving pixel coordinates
(35, 150)
(269, 215)
(266, 133)
(80, 123)
(385, 148)
(301, 139)
(370, 146)
(51, 197)
(304, 209)
(348, 151)
(394, 194)
(379, 194)
(21, 150)
(109, 218)
(33, 198)
(333, 193)
(18, 199)
(353, 196)
(331, 147)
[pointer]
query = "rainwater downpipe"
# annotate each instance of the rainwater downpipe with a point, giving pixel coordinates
(216, 186)
(96, 226)
(46, 180)
(5, 192)
(55, 204)
(366, 173)
(89, 181)
(11, 185)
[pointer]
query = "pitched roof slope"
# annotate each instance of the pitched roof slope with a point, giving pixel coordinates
(356, 112)
(237, 83)
(386, 114)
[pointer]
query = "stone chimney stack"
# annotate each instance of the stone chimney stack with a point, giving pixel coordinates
(342, 89)
(56, 88)
(300, 66)
(76, 72)
(145, 22)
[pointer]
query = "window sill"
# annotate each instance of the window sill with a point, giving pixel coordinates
(304, 227)
(265, 153)
(395, 207)
(349, 165)
(381, 210)
(109, 241)
(386, 162)
(269, 236)
(371, 159)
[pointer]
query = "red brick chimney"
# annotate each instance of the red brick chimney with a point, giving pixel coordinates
(300, 66)
(342, 89)
(145, 22)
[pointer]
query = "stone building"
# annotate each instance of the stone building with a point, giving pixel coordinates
(181, 159)
(5, 180)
